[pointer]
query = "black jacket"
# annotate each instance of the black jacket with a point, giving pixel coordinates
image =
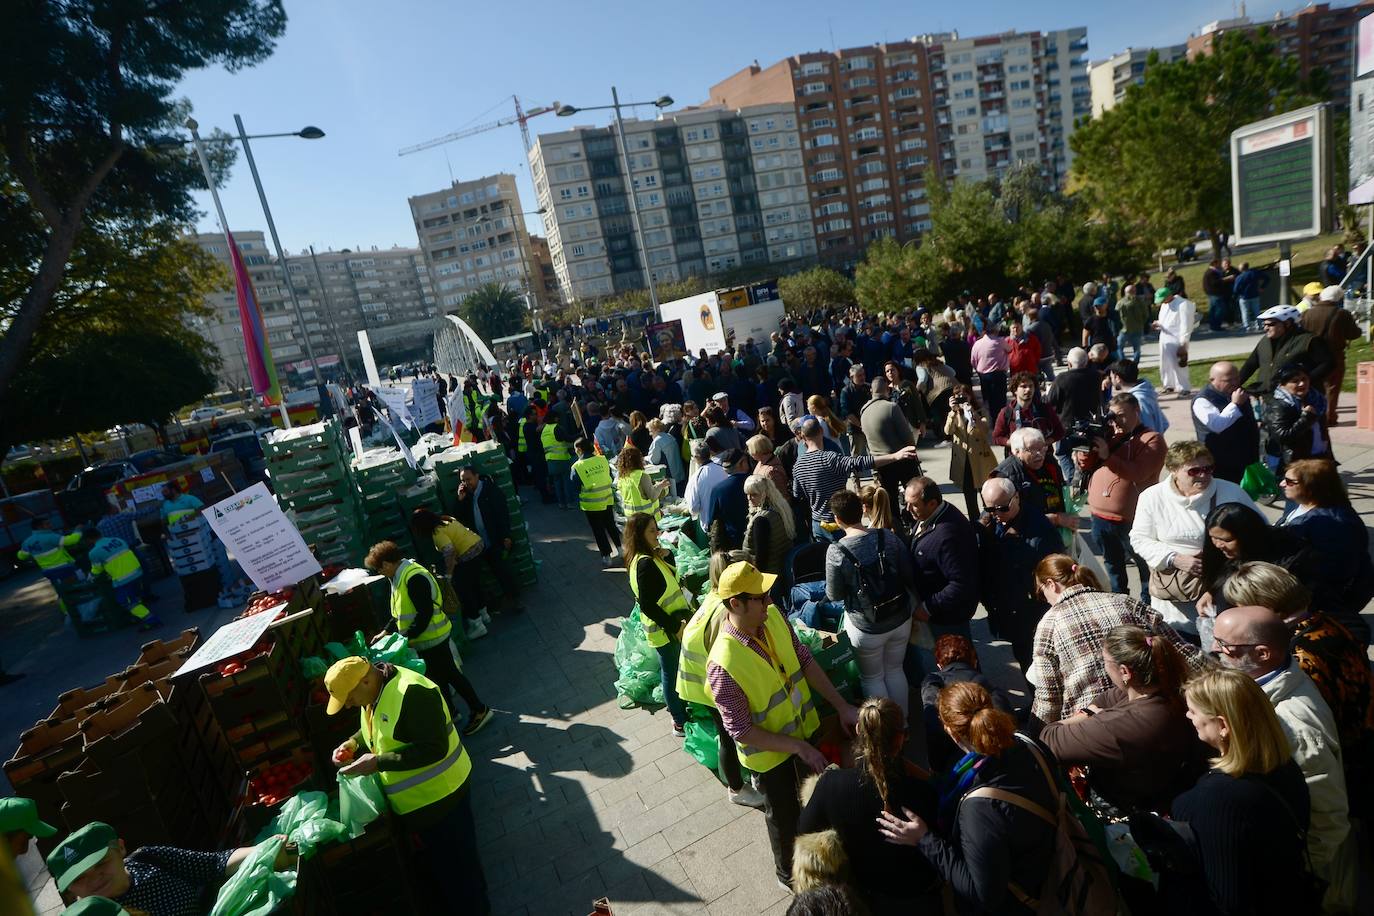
(495, 514)
(1288, 430)
(1076, 394)
(945, 567)
(1297, 348)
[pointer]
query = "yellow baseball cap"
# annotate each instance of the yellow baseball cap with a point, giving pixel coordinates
(342, 677)
(743, 579)
(1312, 289)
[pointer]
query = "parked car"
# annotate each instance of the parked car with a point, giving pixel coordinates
(100, 477)
(207, 413)
(247, 447)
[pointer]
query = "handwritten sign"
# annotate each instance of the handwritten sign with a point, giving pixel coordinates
(262, 538)
(229, 640)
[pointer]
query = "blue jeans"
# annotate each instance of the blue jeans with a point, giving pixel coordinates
(920, 662)
(562, 484)
(821, 535)
(1064, 456)
(1135, 339)
(1249, 310)
(1114, 540)
(1217, 311)
(668, 657)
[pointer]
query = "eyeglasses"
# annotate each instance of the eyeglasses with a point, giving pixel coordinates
(1288, 482)
(999, 509)
(1230, 647)
(1204, 471)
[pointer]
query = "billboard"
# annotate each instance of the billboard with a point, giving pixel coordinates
(702, 328)
(1362, 118)
(666, 340)
(1280, 177)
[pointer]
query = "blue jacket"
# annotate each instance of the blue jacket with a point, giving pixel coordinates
(945, 567)
(1249, 283)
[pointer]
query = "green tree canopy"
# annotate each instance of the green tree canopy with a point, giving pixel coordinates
(494, 311)
(816, 288)
(136, 375)
(1157, 166)
(87, 87)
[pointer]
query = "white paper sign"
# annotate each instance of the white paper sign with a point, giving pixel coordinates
(1285, 267)
(355, 438)
(425, 394)
(234, 637)
(262, 538)
(395, 400)
(400, 443)
(152, 493)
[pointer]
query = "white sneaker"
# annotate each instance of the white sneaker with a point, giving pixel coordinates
(475, 629)
(483, 616)
(748, 797)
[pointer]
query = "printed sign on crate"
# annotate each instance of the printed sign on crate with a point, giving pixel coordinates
(229, 640)
(262, 538)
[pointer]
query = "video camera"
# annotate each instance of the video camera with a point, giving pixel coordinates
(1084, 430)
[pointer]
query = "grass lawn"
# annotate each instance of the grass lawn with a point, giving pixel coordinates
(1358, 352)
(1306, 257)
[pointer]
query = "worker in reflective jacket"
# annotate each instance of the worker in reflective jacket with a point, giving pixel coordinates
(762, 678)
(48, 550)
(114, 558)
(408, 739)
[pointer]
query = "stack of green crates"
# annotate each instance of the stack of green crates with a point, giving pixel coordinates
(489, 459)
(309, 474)
(380, 474)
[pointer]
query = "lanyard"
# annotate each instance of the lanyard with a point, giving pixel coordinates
(772, 653)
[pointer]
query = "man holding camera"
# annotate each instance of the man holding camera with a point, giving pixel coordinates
(1117, 469)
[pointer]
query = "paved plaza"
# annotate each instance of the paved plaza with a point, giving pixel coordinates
(575, 797)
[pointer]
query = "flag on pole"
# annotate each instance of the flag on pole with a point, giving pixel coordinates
(457, 416)
(261, 369)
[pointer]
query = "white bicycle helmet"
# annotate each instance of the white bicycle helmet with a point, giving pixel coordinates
(1280, 313)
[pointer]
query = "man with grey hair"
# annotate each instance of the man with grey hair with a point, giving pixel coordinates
(1011, 542)
(1038, 482)
(1256, 640)
(853, 396)
(1075, 395)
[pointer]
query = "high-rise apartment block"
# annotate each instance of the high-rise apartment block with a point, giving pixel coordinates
(385, 292)
(716, 188)
(1317, 36)
(473, 233)
(875, 121)
(1109, 78)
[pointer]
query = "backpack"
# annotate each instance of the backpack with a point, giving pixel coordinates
(1078, 882)
(879, 578)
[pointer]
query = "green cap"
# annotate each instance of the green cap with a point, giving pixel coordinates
(1162, 293)
(80, 852)
(95, 906)
(22, 814)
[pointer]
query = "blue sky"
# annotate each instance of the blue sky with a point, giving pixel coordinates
(380, 76)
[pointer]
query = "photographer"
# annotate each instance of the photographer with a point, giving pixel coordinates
(1118, 467)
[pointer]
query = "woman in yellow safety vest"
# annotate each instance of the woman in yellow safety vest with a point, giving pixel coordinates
(406, 737)
(663, 607)
(697, 639)
(637, 490)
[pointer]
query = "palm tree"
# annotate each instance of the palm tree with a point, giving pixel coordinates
(493, 311)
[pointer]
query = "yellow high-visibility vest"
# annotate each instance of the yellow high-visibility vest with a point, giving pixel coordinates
(404, 610)
(671, 602)
(410, 790)
(595, 474)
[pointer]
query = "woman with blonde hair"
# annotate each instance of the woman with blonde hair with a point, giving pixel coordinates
(891, 879)
(818, 406)
(1249, 813)
(769, 532)
(992, 852)
(877, 505)
(663, 450)
(767, 464)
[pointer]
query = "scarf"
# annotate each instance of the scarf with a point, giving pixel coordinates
(952, 787)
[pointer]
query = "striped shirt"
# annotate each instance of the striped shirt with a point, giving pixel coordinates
(730, 698)
(819, 475)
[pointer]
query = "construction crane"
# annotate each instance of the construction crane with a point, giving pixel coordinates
(521, 117)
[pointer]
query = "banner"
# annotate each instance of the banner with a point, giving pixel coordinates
(425, 402)
(262, 539)
(667, 340)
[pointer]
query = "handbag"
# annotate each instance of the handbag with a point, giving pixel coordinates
(1175, 585)
(1183, 356)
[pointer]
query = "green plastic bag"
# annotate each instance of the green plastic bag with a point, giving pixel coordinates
(702, 743)
(360, 802)
(1259, 481)
(639, 680)
(395, 648)
(304, 819)
(256, 889)
(807, 636)
(313, 668)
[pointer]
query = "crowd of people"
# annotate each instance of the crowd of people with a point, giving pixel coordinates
(1183, 657)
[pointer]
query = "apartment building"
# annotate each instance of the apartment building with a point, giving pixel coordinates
(1109, 78)
(340, 293)
(545, 277)
(473, 233)
(716, 189)
(875, 121)
(1318, 36)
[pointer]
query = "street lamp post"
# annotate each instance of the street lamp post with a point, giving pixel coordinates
(306, 133)
(661, 102)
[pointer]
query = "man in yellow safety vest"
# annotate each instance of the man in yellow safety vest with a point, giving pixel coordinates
(417, 612)
(591, 478)
(48, 550)
(558, 457)
(178, 507)
(414, 749)
(761, 678)
(114, 558)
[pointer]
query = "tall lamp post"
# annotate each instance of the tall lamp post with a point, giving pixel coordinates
(661, 102)
(305, 133)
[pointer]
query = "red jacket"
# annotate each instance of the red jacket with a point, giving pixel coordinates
(1040, 415)
(1025, 355)
(1131, 467)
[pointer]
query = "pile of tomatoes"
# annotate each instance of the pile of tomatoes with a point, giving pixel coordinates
(237, 664)
(276, 783)
(264, 601)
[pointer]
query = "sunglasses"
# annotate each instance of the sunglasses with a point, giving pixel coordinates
(999, 509)
(1288, 482)
(1201, 472)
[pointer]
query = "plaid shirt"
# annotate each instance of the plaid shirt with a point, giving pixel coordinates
(1067, 671)
(730, 697)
